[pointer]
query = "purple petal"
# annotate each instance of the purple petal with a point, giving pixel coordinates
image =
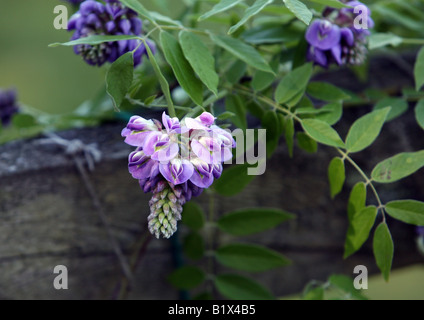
(337, 54)
(110, 26)
(88, 7)
(347, 36)
(202, 180)
(318, 57)
(323, 35)
(136, 25)
(167, 152)
(140, 166)
(194, 124)
(201, 151)
(125, 26)
(177, 171)
(206, 119)
(137, 139)
(149, 144)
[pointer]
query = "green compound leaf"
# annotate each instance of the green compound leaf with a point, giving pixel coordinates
(365, 130)
(383, 249)
(119, 78)
(252, 258)
(237, 287)
(250, 221)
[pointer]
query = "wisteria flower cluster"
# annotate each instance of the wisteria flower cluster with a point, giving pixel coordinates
(8, 106)
(175, 161)
(336, 40)
(111, 18)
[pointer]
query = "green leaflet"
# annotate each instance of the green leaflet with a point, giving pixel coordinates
(181, 67)
(252, 258)
(119, 78)
(237, 287)
(366, 130)
(383, 249)
(200, 59)
(254, 220)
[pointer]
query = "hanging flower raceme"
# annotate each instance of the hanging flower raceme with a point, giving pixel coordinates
(111, 18)
(175, 161)
(339, 38)
(8, 106)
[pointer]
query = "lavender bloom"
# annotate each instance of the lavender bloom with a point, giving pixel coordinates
(175, 161)
(336, 39)
(112, 18)
(8, 106)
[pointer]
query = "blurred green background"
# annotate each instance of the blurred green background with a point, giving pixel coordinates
(54, 80)
(50, 79)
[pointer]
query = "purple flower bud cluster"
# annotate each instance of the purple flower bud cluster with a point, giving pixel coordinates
(339, 38)
(111, 18)
(176, 161)
(8, 106)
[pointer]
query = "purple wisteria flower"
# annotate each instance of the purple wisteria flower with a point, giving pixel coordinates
(337, 39)
(8, 106)
(176, 161)
(111, 18)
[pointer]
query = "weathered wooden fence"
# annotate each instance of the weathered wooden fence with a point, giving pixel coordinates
(48, 218)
